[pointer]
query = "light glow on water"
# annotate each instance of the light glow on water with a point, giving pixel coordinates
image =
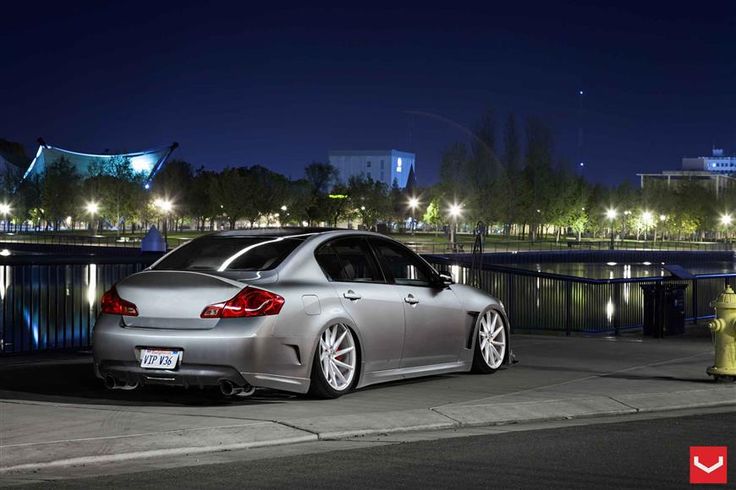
(91, 274)
(610, 310)
(4, 281)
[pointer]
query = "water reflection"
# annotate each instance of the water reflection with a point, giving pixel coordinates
(53, 306)
(91, 277)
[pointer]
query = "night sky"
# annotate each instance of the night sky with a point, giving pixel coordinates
(242, 83)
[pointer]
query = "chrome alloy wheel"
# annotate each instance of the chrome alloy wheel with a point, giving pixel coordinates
(492, 338)
(337, 356)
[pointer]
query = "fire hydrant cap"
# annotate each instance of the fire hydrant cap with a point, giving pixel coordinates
(727, 299)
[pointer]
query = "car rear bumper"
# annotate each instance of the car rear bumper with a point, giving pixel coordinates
(241, 351)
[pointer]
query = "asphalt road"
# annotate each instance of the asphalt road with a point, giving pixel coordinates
(630, 454)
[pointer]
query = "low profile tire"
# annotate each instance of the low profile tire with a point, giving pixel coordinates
(335, 366)
(491, 342)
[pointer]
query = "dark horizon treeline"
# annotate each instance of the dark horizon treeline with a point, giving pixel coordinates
(507, 175)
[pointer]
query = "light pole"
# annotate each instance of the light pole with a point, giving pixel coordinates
(284, 208)
(413, 205)
(611, 215)
(455, 211)
(5, 210)
(662, 219)
(726, 220)
(92, 208)
(647, 219)
(165, 206)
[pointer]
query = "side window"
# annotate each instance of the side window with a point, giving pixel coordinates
(405, 266)
(348, 260)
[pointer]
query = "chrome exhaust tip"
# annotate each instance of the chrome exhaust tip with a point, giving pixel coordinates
(228, 388)
(110, 382)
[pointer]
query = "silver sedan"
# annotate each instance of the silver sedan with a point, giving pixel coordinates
(300, 310)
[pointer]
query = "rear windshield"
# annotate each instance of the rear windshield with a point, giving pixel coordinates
(222, 253)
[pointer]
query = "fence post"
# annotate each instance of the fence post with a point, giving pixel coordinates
(695, 301)
(568, 308)
(617, 309)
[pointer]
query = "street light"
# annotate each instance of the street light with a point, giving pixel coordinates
(455, 212)
(413, 205)
(662, 219)
(611, 214)
(726, 220)
(92, 208)
(647, 218)
(165, 205)
(5, 210)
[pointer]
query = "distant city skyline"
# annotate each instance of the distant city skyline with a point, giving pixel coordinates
(244, 85)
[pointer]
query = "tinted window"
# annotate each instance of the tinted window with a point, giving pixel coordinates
(348, 259)
(222, 253)
(405, 267)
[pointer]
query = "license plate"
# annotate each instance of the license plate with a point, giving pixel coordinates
(159, 358)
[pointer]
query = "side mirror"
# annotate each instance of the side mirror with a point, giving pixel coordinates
(445, 279)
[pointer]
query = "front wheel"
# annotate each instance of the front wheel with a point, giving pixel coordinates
(491, 342)
(335, 363)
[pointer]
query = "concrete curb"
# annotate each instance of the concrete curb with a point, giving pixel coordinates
(27, 457)
(34, 456)
(533, 411)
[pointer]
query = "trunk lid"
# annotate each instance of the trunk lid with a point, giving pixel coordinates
(175, 299)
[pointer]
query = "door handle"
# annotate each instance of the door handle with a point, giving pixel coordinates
(411, 300)
(351, 295)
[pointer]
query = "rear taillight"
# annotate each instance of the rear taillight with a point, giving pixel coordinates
(113, 304)
(248, 302)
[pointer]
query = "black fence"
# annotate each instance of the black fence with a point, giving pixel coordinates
(424, 244)
(52, 303)
(70, 239)
(539, 301)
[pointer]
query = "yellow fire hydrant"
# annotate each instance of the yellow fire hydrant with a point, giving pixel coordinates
(724, 336)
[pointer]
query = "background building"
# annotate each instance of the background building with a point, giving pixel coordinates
(714, 171)
(717, 182)
(147, 162)
(716, 163)
(385, 166)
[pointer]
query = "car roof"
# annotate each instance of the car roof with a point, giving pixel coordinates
(278, 232)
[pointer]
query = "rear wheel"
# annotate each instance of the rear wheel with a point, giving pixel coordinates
(335, 362)
(491, 343)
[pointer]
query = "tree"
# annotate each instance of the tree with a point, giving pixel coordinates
(433, 215)
(538, 173)
(453, 170)
(272, 190)
(60, 191)
(201, 201)
(119, 189)
(321, 175)
(234, 194)
(174, 182)
(370, 200)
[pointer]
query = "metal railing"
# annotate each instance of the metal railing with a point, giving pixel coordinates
(52, 303)
(70, 239)
(424, 243)
(492, 244)
(539, 301)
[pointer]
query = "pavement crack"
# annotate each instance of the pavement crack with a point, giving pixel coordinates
(292, 426)
(458, 422)
(625, 404)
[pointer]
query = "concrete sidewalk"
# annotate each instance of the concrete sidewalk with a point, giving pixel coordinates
(54, 413)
